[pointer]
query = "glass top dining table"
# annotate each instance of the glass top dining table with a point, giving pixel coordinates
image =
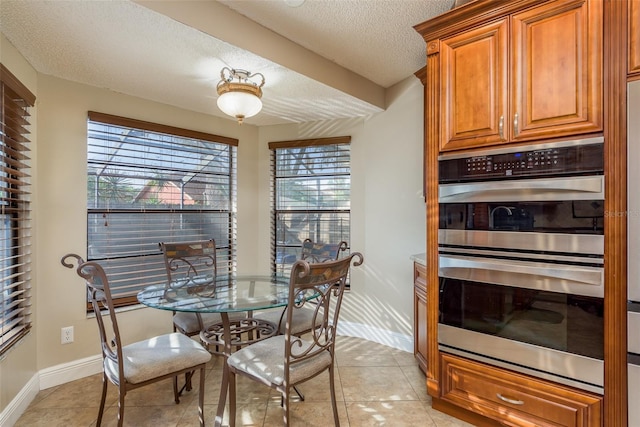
(224, 295)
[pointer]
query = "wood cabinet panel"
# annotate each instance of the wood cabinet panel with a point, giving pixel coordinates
(557, 70)
(420, 315)
(474, 86)
(516, 399)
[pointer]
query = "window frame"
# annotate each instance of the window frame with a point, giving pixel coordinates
(15, 207)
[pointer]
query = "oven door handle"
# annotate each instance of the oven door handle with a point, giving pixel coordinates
(573, 188)
(568, 279)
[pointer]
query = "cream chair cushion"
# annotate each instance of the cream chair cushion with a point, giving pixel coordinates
(265, 360)
(157, 356)
(302, 320)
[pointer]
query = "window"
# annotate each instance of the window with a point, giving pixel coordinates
(148, 183)
(311, 196)
(15, 212)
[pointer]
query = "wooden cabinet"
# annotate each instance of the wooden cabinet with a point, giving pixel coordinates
(420, 315)
(533, 74)
(603, 36)
(634, 36)
(498, 72)
(515, 399)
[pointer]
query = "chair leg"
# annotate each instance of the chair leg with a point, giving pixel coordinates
(187, 383)
(286, 404)
(103, 399)
(298, 392)
(176, 394)
(187, 380)
(201, 397)
(336, 420)
(121, 394)
(232, 399)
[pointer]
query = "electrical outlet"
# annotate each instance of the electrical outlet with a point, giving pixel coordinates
(66, 335)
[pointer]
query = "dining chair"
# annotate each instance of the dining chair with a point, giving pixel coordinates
(283, 361)
(140, 363)
(303, 320)
(192, 261)
(185, 261)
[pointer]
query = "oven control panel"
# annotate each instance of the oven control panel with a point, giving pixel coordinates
(545, 162)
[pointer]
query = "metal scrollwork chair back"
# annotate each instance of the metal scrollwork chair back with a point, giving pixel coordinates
(144, 362)
(321, 252)
(189, 263)
(186, 261)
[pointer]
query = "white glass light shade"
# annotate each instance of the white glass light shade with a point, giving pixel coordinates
(239, 104)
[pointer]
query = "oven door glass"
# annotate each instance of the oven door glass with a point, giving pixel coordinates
(568, 216)
(564, 322)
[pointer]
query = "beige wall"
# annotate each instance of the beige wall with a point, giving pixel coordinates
(388, 211)
(387, 215)
(63, 108)
(18, 366)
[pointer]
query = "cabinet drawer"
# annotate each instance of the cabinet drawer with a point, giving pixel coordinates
(515, 399)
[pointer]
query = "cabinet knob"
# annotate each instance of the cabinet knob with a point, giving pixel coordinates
(510, 400)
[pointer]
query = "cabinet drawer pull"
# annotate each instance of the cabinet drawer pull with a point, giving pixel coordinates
(515, 124)
(509, 400)
(501, 127)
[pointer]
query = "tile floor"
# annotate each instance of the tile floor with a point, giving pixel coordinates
(375, 386)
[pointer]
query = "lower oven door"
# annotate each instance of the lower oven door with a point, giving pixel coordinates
(543, 319)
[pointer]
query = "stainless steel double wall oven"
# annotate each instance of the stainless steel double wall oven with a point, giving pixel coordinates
(521, 248)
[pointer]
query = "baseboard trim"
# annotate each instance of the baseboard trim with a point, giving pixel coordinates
(71, 371)
(381, 336)
(47, 378)
(19, 404)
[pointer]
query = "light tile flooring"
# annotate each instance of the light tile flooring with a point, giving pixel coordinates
(375, 386)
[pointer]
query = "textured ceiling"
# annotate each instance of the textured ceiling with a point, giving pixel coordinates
(375, 39)
(322, 60)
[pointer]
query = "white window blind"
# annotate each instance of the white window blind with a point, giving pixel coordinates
(311, 196)
(15, 210)
(149, 183)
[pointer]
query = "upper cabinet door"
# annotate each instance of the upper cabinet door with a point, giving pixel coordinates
(474, 87)
(556, 76)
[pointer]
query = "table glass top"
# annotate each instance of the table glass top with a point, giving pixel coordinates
(224, 294)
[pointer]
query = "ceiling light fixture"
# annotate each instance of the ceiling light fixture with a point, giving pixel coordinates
(238, 95)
